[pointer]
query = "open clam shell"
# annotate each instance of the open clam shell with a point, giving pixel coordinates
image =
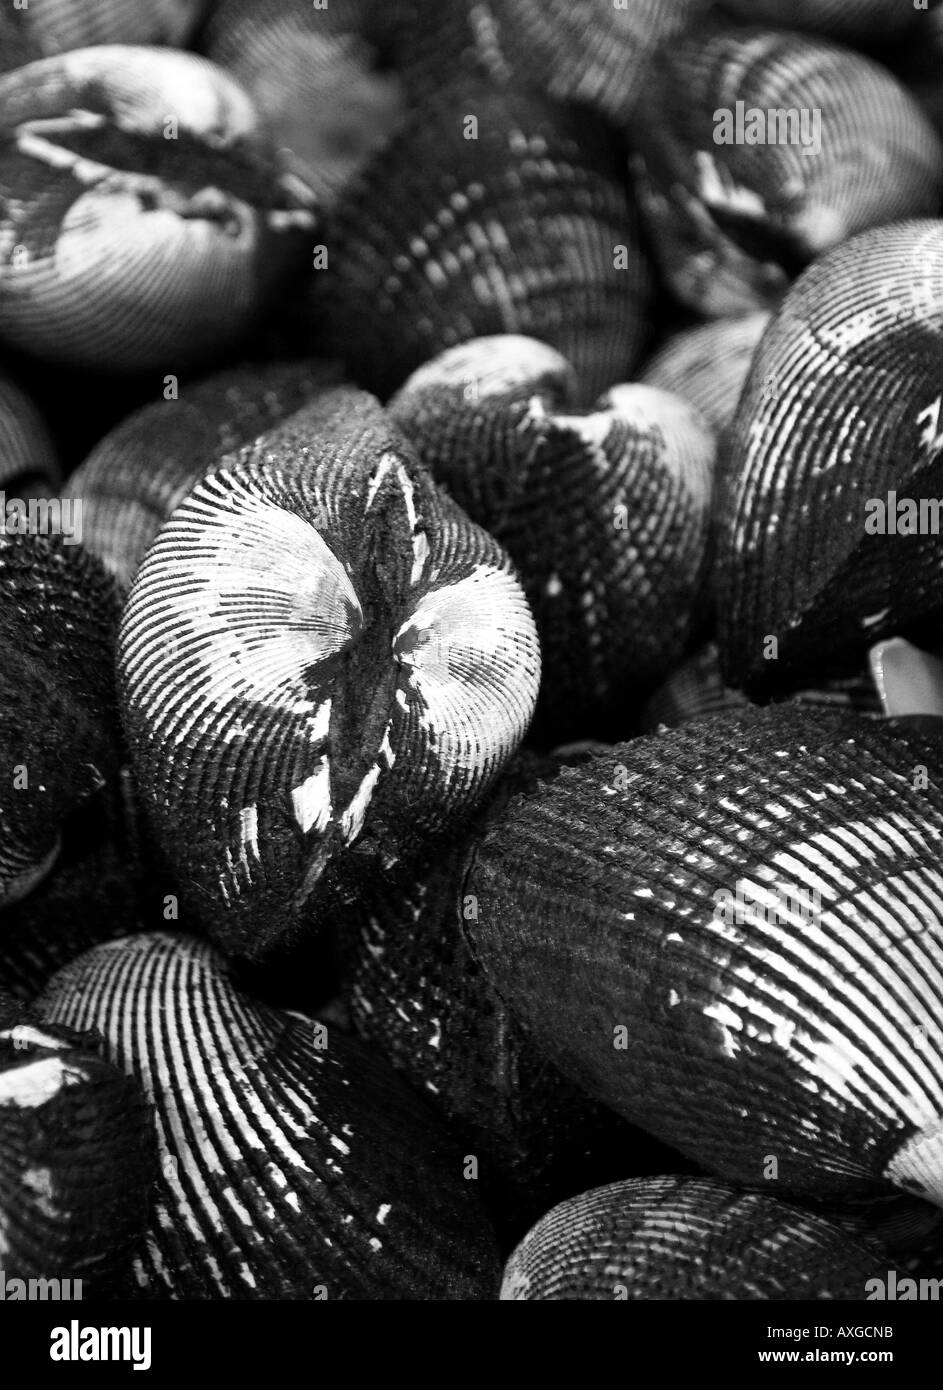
(294, 1163)
(733, 934)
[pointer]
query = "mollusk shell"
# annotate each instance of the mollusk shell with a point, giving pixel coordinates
(77, 1157)
(313, 75)
(28, 461)
(733, 223)
(291, 1157)
(686, 1238)
(58, 714)
(733, 934)
(708, 365)
(845, 19)
(142, 470)
(143, 214)
(525, 228)
(42, 30)
(841, 406)
(323, 663)
(605, 513)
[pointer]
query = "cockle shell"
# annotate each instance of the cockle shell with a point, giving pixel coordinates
(40, 30)
(58, 713)
(323, 663)
(77, 1157)
(144, 218)
(732, 933)
(732, 223)
(314, 74)
(845, 19)
(28, 463)
(605, 513)
(686, 1238)
(708, 365)
(488, 212)
(842, 406)
(417, 995)
(294, 1163)
(134, 478)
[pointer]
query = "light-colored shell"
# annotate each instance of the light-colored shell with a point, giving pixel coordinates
(142, 470)
(153, 220)
(58, 714)
(686, 1238)
(28, 463)
(708, 365)
(45, 27)
(77, 1159)
(842, 407)
(294, 1163)
(732, 223)
(605, 513)
(733, 934)
(323, 663)
(489, 212)
(845, 19)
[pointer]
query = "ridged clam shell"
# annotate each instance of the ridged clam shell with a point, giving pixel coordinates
(668, 890)
(733, 223)
(58, 713)
(40, 30)
(855, 360)
(314, 74)
(518, 230)
(845, 19)
(128, 241)
(417, 995)
(686, 1238)
(708, 365)
(77, 1157)
(28, 463)
(605, 513)
(291, 1157)
(134, 478)
(323, 663)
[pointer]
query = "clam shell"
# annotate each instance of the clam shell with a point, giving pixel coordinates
(733, 935)
(77, 1157)
(686, 1238)
(708, 365)
(323, 663)
(733, 223)
(135, 477)
(58, 713)
(42, 30)
(845, 19)
(605, 513)
(144, 218)
(28, 463)
(291, 1157)
(855, 359)
(523, 227)
(314, 74)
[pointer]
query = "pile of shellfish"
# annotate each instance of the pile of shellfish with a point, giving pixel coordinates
(471, 680)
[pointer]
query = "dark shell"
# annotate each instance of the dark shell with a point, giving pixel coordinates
(844, 19)
(733, 935)
(47, 27)
(733, 223)
(417, 994)
(686, 1238)
(708, 365)
(58, 713)
(135, 477)
(77, 1158)
(291, 1157)
(323, 663)
(605, 513)
(28, 463)
(127, 241)
(314, 74)
(524, 228)
(855, 358)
